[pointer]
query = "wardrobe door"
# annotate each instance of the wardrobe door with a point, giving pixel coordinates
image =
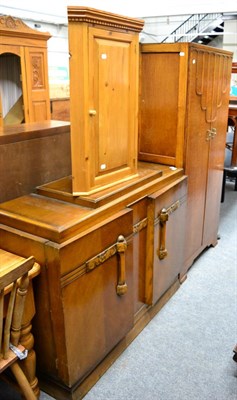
(206, 134)
(220, 72)
(197, 149)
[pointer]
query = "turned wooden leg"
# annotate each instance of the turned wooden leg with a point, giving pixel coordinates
(22, 382)
(28, 365)
(27, 340)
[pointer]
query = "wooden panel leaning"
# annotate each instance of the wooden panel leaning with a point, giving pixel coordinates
(14, 279)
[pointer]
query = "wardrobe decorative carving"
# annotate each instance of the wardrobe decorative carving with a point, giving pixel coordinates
(211, 72)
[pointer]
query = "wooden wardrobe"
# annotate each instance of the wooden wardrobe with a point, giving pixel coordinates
(29, 48)
(184, 97)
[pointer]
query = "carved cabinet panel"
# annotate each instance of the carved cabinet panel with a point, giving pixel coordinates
(36, 77)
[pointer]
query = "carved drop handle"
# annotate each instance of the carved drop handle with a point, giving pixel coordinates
(121, 248)
(162, 251)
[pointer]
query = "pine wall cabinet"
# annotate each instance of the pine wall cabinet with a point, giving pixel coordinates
(29, 49)
(184, 97)
(104, 54)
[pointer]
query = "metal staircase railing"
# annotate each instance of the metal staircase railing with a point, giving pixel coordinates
(191, 27)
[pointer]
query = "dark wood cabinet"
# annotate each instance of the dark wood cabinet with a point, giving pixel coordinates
(101, 279)
(183, 121)
(39, 153)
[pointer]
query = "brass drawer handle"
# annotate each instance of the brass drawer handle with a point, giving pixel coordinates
(117, 248)
(121, 248)
(162, 251)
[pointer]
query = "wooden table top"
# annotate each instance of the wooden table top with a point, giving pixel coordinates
(8, 259)
(58, 220)
(33, 130)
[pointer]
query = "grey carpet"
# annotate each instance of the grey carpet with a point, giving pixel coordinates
(185, 352)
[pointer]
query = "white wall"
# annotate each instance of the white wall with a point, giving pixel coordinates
(58, 8)
(230, 39)
(163, 17)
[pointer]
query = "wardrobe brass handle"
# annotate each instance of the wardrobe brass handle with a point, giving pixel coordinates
(208, 135)
(213, 132)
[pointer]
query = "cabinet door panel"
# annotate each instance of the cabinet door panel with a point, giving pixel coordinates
(158, 109)
(169, 239)
(36, 78)
(112, 95)
(95, 313)
(98, 318)
(162, 105)
(112, 91)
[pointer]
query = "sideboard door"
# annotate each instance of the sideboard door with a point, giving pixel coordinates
(93, 306)
(166, 227)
